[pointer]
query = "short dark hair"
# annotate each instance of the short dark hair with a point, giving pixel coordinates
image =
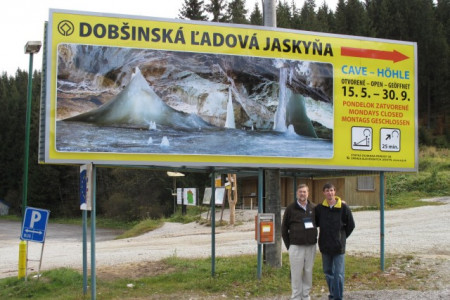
(328, 186)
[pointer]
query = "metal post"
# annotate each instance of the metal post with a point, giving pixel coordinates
(93, 212)
(273, 254)
(40, 260)
(183, 206)
(30, 48)
(174, 195)
(269, 13)
(260, 205)
(174, 191)
(213, 223)
(27, 137)
(295, 188)
(382, 221)
(84, 225)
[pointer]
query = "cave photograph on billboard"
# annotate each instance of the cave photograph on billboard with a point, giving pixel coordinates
(144, 101)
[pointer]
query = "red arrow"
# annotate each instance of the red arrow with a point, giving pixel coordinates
(394, 55)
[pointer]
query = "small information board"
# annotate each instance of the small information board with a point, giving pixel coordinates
(34, 224)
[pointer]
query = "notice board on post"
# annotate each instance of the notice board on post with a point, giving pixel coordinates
(131, 90)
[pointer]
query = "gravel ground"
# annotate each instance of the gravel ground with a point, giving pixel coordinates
(422, 232)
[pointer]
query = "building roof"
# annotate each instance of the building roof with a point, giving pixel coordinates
(4, 202)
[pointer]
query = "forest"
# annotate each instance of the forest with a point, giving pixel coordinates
(130, 194)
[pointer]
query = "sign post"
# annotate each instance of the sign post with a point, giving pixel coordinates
(34, 229)
(86, 188)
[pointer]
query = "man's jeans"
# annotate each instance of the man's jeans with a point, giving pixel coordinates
(334, 270)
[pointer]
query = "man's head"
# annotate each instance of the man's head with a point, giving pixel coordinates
(302, 193)
(329, 191)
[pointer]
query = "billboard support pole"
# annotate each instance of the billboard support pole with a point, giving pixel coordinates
(84, 225)
(213, 222)
(93, 212)
(382, 221)
(272, 200)
(260, 205)
(295, 186)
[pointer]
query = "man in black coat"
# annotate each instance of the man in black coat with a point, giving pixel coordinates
(336, 223)
(299, 234)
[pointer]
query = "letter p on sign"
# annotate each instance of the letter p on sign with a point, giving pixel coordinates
(35, 217)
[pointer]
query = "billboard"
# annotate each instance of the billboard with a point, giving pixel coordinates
(144, 91)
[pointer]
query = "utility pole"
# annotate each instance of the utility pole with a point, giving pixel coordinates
(272, 176)
(269, 13)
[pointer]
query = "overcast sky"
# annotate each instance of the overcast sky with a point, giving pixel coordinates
(23, 20)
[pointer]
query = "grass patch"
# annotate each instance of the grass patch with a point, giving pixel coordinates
(141, 228)
(405, 190)
(60, 283)
(400, 272)
(235, 277)
(434, 158)
(11, 218)
(193, 214)
(408, 200)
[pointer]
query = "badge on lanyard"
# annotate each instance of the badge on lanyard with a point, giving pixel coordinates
(308, 223)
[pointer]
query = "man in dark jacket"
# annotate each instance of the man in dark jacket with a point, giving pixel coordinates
(336, 223)
(299, 234)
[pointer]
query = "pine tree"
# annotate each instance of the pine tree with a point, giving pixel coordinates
(217, 9)
(193, 10)
(443, 19)
(325, 19)
(308, 16)
(341, 22)
(352, 18)
(12, 119)
(256, 17)
(284, 17)
(388, 19)
(296, 20)
(236, 12)
(443, 16)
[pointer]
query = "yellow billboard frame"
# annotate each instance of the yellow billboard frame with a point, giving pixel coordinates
(374, 80)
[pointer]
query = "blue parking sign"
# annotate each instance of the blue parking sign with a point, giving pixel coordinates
(34, 224)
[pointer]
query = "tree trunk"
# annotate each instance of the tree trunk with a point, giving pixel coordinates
(232, 196)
